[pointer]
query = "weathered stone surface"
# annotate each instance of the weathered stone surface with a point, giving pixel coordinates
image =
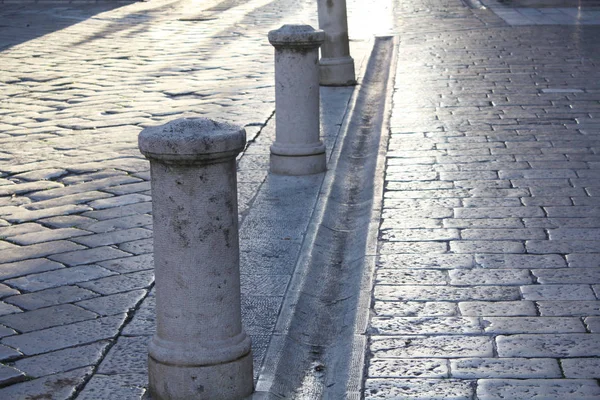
(520, 261)
(127, 386)
(469, 277)
(551, 389)
(120, 283)
(568, 308)
(408, 368)
(10, 375)
(443, 346)
(128, 355)
(411, 277)
(567, 275)
(113, 304)
(49, 297)
(430, 389)
(558, 292)
(549, 345)
(59, 277)
(581, 368)
(513, 324)
(434, 293)
(88, 256)
(62, 360)
(424, 325)
(60, 386)
(66, 336)
(518, 368)
(437, 261)
(415, 308)
(46, 317)
(19, 268)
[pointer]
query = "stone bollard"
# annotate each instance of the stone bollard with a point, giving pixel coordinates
(199, 350)
(336, 65)
(298, 149)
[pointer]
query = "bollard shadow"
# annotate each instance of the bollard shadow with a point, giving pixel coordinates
(21, 23)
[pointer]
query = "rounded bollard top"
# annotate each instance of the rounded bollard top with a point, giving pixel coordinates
(192, 140)
(296, 35)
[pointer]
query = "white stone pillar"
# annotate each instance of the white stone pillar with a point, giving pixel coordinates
(298, 149)
(199, 350)
(336, 65)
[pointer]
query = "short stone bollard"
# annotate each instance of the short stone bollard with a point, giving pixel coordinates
(336, 65)
(298, 149)
(199, 350)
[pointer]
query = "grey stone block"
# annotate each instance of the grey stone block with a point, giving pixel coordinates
(442, 346)
(413, 247)
(549, 389)
(128, 355)
(62, 360)
(593, 324)
(8, 353)
(60, 386)
(469, 277)
(19, 268)
(109, 225)
(583, 260)
(59, 277)
(483, 223)
(61, 337)
(101, 387)
(114, 237)
(7, 291)
(549, 345)
(436, 293)
(518, 368)
(38, 251)
(46, 317)
(143, 246)
(526, 261)
(581, 368)
(497, 308)
(50, 297)
(407, 368)
(10, 375)
(482, 246)
(121, 283)
(411, 277)
(424, 325)
(437, 261)
(567, 275)
(568, 308)
(502, 234)
(113, 304)
(129, 264)
(508, 325)
(419, 389)
(415, 308)
(558, 292)
(88, 256)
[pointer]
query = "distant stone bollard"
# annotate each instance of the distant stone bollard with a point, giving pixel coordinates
(199, 350)
(336, 65)
(298, 149)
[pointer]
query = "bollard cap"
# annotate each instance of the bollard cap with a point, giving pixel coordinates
(296, 36)
(192, 140)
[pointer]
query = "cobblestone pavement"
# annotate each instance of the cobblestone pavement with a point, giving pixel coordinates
(488, 274)
(78, 83)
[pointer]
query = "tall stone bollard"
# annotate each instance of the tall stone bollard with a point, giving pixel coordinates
(336, 65)
(298, 149)
(199, 350)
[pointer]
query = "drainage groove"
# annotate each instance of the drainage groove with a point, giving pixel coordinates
(318, 347)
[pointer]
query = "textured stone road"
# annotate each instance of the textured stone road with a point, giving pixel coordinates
(488, 274)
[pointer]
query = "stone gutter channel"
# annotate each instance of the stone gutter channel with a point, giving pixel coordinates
(318, 346)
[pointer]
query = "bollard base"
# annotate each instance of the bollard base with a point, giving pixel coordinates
(337, 71)
(227, 381)
(298, 165)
